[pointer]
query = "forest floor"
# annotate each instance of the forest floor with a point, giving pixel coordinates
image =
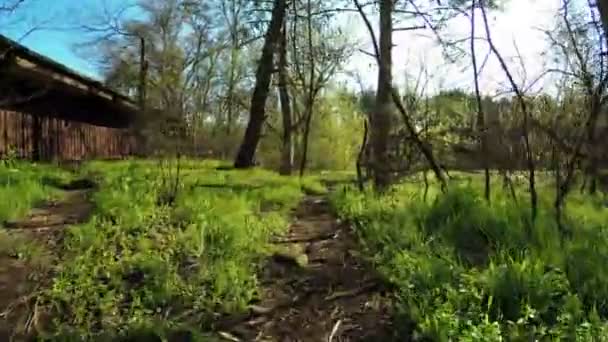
(38, 235)
(255, 256)
(317, 287)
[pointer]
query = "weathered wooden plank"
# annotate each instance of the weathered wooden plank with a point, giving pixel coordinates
(54, 138)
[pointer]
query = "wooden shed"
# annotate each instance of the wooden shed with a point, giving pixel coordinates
(49, 112)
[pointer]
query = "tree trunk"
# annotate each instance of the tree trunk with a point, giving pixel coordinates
(529, 155)
(426, 151)
(257, 115)
(306, 135)
(287, 148)
(311, 93)
(481, 124)
(380, 125)
(141, 94)
(234, 60)
(361, 155)
(230, 99)
(426, 185)
(592, 169)
(602, 6)
(560, 194)
(141, 141)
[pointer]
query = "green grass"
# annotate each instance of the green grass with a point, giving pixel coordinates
(151, 261)
(33, 253)
(23, 185)
(467, 270)
(142, 265)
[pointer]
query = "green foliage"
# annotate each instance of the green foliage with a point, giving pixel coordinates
(23, 185)
(335, 135)
(467, 270)
(141, 265)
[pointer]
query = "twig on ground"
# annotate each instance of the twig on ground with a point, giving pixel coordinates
(260, 310)
(334, 331)
(17, 303)
(257, 321)
(352, 292)
(328, 236)
(228, 336)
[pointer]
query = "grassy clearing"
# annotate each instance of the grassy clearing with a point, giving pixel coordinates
(23, 185)
(471, 271)
(142, 266)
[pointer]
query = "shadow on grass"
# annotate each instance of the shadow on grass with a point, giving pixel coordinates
(76, 184)
(251, 187)
(234, 187)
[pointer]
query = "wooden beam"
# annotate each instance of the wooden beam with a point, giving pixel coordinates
(46, 74)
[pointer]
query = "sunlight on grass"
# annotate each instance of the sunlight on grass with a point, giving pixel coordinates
(141, 265)
(467, 270)
(23, 185)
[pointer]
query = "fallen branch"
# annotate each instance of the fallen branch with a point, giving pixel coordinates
(352, 292)
(334, 331)
(228, 336)
(15, 304)
(328, 236)
(260, 310)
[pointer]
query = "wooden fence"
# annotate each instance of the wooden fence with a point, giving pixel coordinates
(52, 138)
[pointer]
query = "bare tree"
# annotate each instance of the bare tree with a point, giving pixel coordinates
(287, 141)
(579, 48)
(317, 53)
(231, 11)
(311, 91)
(424, 148)
(525, 113)
(257, 116)
(380, 123)
(481, 126)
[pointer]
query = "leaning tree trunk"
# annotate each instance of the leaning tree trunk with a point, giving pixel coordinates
(380, 125)
(287, 148)
(602, 6)
(257, 115)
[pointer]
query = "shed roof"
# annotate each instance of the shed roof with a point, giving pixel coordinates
(21, 65)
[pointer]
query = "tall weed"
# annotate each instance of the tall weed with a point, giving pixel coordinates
(469, 270)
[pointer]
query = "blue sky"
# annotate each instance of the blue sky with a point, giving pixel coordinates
(516, 25)
(59, 46)
(58, 35)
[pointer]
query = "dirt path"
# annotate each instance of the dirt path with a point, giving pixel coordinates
(41, 229)
(317, 289)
